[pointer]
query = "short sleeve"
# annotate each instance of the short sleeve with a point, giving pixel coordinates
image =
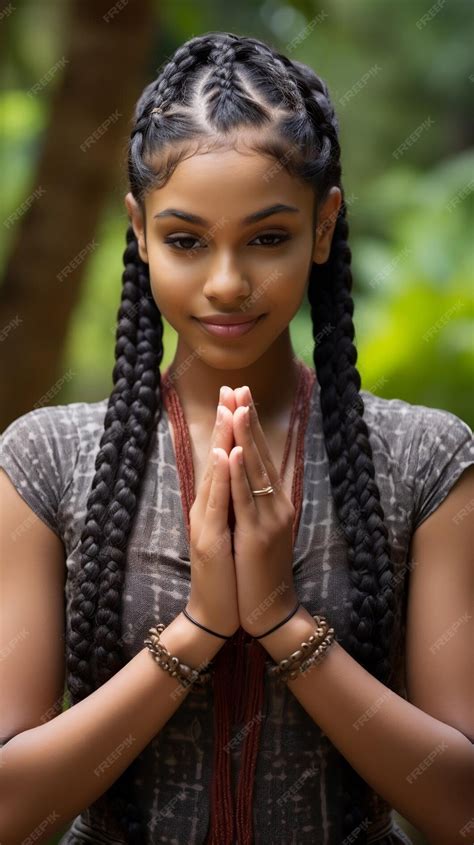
(444, 450)
(38, 451)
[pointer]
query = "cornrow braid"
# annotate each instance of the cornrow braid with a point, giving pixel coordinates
(288, 88)
(355, 491)
(83, 605)
(121, 457)
(367, 561)
(159, 94)
(236, 82)
(168, 88)
(226, 99)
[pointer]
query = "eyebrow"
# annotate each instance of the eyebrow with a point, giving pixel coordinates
(251, 218)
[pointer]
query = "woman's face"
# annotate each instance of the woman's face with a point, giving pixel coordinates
(224, 263)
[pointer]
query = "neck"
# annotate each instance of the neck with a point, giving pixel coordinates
(272, 380)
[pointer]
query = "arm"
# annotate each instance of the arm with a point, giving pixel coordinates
(416, 754)
(53, 766)
(88, 746)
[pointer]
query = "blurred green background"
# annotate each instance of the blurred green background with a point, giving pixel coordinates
(401, 78)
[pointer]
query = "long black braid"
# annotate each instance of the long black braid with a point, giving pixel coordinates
(238, 83)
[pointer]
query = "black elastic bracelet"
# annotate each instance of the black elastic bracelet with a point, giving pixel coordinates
(221, 636)
(279, 624)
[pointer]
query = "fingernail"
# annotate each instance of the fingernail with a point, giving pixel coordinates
(215, 456)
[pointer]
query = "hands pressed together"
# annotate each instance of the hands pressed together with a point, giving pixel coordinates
(245, 579)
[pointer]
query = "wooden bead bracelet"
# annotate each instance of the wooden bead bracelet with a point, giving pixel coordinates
(185, 674)
(308, 654)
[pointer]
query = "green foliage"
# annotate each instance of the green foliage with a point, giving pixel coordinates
(415, 320)
(410, 240)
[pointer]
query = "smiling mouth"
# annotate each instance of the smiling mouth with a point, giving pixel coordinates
(235, 330)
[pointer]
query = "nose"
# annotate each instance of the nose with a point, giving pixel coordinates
(226, 282)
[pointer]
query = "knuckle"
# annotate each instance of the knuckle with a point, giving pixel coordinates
(263, 539)
(193, 534)
(286, 507)
(201, 550)
(285, 516)
(212, 501)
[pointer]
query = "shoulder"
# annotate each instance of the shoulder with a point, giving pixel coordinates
(428, 447)
(40, 449)
(419, 428)
(402, 416)
(60, 429)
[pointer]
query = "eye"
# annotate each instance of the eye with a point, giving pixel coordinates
(182, 239)
(280, 238)
(189, 240)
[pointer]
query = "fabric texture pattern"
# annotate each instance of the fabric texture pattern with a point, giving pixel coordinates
(419, 453)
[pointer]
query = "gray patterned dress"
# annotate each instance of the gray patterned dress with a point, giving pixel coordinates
(419, 453)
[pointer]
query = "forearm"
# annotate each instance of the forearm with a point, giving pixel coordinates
(59, 768)
(421, 766)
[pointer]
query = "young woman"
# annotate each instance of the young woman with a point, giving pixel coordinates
(346, 505)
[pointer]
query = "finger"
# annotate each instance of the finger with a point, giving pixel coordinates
(227, 398)
(242, 497)
(256, 436)
(223, 438)
(224, 430)
(217, 510)
(258, 476)
(223, 434)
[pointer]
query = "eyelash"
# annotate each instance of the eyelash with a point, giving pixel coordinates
(173, 241)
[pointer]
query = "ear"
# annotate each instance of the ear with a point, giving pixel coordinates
(326, 223)
(136, 218)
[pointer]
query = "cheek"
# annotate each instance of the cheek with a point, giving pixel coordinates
(291, 267)
(166, 293)
(171, 282)
(286, 287)
(166, 265)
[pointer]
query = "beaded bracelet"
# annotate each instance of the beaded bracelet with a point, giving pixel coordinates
(319, 653)
(308, 654)
(314, 659)
(185, 674)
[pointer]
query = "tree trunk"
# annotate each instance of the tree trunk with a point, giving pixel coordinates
(103, 70)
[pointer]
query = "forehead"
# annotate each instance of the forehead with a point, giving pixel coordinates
(230, 182)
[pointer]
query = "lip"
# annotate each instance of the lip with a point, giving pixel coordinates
(229, 330)
(226, 319)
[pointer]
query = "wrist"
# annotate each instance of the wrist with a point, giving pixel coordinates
(190, 643)
(269, 618)
(286, 639)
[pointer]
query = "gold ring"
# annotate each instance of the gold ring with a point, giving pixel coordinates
(263, 492)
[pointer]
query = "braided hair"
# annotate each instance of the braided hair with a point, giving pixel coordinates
(214, 85)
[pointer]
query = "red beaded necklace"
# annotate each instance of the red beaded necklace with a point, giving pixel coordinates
(239, 665)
